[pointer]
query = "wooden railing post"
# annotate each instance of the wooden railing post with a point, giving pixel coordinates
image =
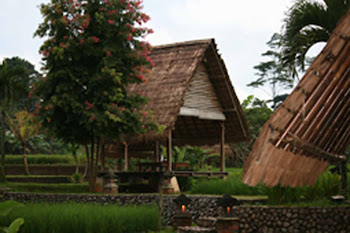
(222, 147)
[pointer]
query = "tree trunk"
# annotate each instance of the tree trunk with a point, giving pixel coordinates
(26, 168)
(2, 166)
(92, 168)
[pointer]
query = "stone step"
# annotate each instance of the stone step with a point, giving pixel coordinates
(206, 221)
(195, 229)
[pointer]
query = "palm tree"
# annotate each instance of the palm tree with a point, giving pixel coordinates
(10, 87)
(307, 23)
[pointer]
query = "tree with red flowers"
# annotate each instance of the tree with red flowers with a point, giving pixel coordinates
(93, 50)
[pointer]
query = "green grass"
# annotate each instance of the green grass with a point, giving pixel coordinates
(84, 218)
(42, 159)
(232, 185)
(46, 188)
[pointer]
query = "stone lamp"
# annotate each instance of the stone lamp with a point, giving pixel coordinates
(182, 217)
(228, 223)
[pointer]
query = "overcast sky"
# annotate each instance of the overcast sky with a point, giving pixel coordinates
(240, 28)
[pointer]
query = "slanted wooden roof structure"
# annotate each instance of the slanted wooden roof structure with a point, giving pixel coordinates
(311, 128)
(190, 93)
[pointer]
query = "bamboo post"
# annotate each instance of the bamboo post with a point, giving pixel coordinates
(169, 152)
(126, 156)
(222, 147)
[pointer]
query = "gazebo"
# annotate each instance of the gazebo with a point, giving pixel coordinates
(191, 95)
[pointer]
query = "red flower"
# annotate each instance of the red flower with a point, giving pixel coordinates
(65, 37)
(129, 38)
(92, 117)
(30, 94)
(150, 31)
(111, 21)
(48, 119)
(95, 39)
(109, 53)
(81, 41)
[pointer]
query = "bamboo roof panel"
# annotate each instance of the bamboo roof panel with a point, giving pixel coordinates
(311, 128)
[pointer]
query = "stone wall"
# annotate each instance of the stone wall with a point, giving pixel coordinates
(252, 219)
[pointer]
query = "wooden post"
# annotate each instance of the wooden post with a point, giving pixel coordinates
(126, 156)
(222, 147)
(169, 147)
(157, 152)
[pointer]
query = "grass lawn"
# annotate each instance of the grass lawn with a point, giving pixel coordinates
(46, 188)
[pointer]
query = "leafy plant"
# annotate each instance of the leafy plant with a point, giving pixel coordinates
(77, 178)
(5, 208)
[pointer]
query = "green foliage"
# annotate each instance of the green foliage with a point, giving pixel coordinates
(280, 195)
(307, 23)
(82, 218)
(327, 185)
(272, 72)
(5, 209)
(77, 178)
(47, 188)
(40, 159)
(256, 113)
(92, 52)
(232, 185)
(196, 156)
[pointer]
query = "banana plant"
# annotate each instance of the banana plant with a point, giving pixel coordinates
(5, 208)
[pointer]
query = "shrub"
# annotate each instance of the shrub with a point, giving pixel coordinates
(232, 185)
(77, 178)
(327, 185)
(47, 188)
(40, 159)
(82, 218)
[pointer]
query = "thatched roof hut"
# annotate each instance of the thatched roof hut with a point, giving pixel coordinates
(190, 93)
(311, 128)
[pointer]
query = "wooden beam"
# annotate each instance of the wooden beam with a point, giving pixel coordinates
(222, 147)
(126, 156)
(169, 150)
(318, 152)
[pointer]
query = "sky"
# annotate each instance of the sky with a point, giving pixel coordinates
(240, 29)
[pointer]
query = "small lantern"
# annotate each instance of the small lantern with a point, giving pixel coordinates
(227, 202)
(182, 202)
(182, 218)
(228, 223)
(110, 186)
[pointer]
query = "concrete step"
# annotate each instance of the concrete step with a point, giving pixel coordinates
(195, 229)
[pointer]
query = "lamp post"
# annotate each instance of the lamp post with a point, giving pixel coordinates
(228, 223)
(182, 217)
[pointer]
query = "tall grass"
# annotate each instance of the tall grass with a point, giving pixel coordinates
(232, 185)
(84, 218)
(39, 159)
(47, 188)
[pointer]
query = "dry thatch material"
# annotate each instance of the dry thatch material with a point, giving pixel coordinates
(311, 128)
(172, 82)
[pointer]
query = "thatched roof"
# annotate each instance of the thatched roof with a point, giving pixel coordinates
(311, 128)
(168, 82)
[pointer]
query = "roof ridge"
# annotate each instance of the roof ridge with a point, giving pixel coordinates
(184, 43)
